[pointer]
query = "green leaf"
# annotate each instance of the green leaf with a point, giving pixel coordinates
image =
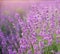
(58, 45)
(54, 46)
(3, 28)
(54, 35)
(46, 42)
(32, 48)
(47, 50)
(39, 38)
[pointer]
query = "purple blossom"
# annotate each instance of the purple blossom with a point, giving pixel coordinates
(18, 36)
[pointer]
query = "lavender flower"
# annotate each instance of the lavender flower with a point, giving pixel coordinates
(35, 35)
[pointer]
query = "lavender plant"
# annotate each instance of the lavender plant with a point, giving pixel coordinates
(37, 34)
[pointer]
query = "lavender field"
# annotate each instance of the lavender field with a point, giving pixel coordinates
(32, 28)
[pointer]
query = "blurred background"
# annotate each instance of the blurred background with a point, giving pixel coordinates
(13, 5)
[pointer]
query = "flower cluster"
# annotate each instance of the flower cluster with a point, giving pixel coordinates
(37, 34)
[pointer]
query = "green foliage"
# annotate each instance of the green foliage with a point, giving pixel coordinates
(58, 46)
(48, 49)
(46, 42)
(39, 38)
(54, 47)
(32, 48)
(54, 36)
(5, 30)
